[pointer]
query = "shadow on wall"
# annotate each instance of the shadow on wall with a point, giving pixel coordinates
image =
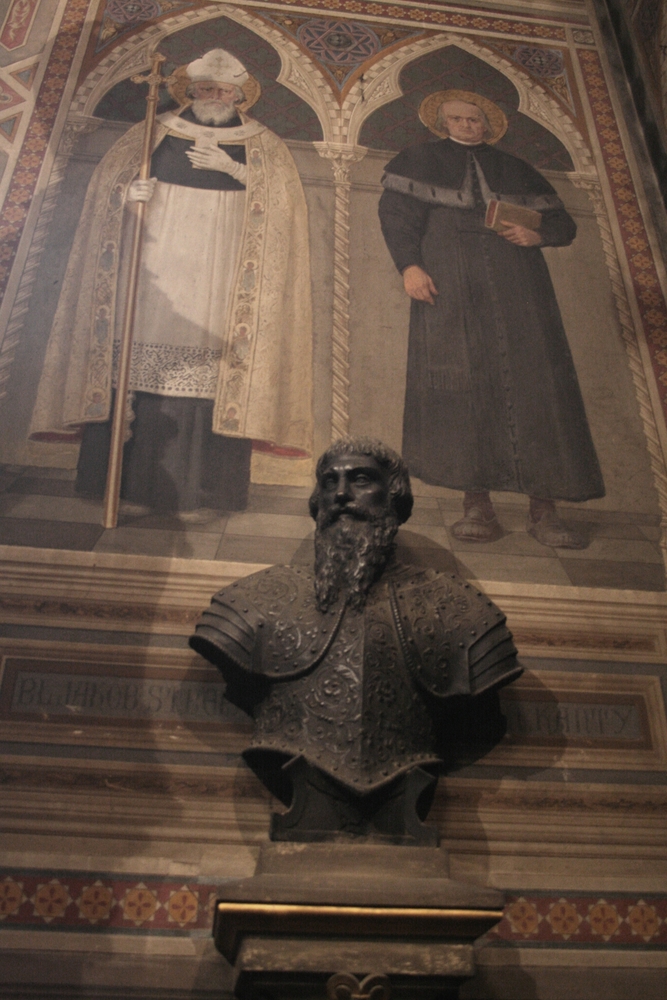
(510, 982)
(461, 810)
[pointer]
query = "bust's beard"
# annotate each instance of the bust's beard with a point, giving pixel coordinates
(212, 113)
(350, 555)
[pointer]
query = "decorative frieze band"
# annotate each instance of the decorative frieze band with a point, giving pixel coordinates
(86, 900)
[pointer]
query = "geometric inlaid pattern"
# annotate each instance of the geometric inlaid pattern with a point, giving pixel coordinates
(17, 23)
(340, 48)
(91, 901)
(525, 28)
(343, 43)
(639, 254)
(26, 76)
(8, 97)
(544, 64)
(9, 126)
(122, 16)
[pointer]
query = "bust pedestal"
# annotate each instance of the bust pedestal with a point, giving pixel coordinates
(356, 909)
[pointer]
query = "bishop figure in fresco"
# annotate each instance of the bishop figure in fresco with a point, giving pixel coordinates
(222, 336)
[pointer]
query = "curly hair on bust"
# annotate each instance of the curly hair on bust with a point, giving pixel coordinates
(400, 492)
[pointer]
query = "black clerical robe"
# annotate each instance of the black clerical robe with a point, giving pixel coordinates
(492, 399)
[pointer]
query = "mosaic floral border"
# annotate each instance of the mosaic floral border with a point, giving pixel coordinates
(24, 180)
(77, 901)
(584, 920)
(643, 271)
(104, 902)
(439, 18)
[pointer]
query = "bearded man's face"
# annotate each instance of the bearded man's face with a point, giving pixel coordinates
(214, 103)
(355, 529)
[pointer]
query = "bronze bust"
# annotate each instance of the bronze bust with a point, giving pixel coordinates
(366, 676)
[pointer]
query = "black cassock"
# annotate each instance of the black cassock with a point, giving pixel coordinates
(492, 399)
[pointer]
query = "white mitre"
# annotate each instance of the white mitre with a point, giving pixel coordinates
(220, 66)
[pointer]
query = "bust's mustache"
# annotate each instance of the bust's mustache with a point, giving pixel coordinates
(337, 511)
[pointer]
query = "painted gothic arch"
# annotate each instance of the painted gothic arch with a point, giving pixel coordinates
(341, 123)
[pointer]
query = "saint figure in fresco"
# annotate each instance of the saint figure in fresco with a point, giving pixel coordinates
(492, 400)
(222, 336)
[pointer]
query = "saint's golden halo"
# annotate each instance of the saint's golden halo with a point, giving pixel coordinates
(179, 81)
(430, 106)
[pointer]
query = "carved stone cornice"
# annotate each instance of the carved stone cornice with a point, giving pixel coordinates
(154, 594)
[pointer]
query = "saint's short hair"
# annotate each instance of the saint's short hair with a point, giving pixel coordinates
(441, 124)
(400, 492)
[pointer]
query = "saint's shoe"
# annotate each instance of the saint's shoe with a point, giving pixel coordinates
(550, 530)
(477, 526)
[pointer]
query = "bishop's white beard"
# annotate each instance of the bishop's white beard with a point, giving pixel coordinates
(213, 112)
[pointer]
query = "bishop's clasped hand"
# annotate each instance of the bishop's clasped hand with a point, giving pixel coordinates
(214, 158)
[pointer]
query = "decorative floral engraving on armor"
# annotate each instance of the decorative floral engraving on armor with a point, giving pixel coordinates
(327, 703)
(342, 688)
(440, 618)
(396, 727)
(281, 604)
(356, 715)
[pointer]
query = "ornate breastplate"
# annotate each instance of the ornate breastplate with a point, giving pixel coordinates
(356, 693)
(357, 714)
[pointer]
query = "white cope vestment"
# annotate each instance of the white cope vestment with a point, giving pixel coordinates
(223, 307)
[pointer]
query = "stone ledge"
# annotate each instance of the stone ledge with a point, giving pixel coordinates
(163, 595)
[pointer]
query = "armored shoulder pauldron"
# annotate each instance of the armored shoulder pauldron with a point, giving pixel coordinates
(451, 633)
(454, 640)
(269, 623)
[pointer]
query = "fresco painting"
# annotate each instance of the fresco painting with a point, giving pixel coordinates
(223, 274)
(485, 325)
(318, 259)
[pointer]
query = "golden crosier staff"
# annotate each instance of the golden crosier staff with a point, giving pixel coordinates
(115, 468)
